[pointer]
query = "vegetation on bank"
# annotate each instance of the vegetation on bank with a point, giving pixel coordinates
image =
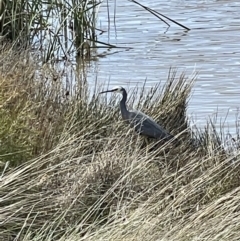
(57, 29)
(72, 170)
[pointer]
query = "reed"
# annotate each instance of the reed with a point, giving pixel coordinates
(50, 27)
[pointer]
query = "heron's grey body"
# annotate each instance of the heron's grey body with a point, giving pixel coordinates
(143, 124)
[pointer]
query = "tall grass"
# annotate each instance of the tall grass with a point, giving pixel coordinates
(15, 19)
(72, 170)
(56, 29)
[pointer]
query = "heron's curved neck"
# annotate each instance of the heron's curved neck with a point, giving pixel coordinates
(123, 107)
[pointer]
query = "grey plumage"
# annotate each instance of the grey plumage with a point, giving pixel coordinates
(143, 124)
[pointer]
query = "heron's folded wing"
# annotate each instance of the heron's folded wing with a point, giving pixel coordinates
(145, 125)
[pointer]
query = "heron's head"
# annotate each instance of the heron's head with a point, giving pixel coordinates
(116, 89)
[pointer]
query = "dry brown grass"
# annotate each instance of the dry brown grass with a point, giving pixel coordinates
(83, 175)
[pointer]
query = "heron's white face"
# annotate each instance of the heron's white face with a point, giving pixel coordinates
(117, 89)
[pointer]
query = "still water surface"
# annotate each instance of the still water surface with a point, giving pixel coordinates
(211, 47)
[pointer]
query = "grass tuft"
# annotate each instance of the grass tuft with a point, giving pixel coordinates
(72, 170)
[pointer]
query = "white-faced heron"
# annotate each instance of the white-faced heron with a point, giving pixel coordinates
(143, 124)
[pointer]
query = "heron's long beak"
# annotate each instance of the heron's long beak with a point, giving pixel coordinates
(106, 91)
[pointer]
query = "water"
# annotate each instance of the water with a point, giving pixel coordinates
(211, 48)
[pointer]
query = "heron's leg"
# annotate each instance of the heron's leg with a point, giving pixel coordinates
(147, 145)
